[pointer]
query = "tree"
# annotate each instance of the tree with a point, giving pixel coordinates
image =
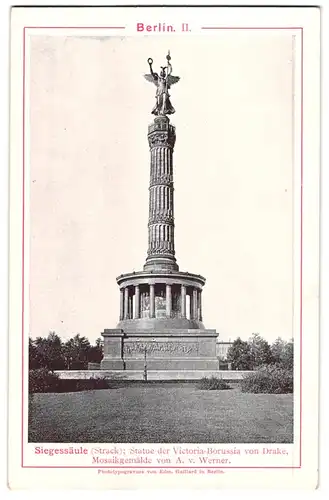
(260, 351)
(48, 352)
(239, 354)
(95, 354)
(75, 352)
(54, 354)
(288, 355)
(99, 342)
(33, 358)
(283, 352)
(277, 349)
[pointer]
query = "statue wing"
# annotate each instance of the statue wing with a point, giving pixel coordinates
(172, 79)
(150, 78)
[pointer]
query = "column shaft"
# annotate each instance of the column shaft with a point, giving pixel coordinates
(183, 301)
(168, 301)
(191, 304)
(161, 141)
(130, 302)
(126, 310)
(121, 304)
(137, 301)
(152, 302)
(195, 303)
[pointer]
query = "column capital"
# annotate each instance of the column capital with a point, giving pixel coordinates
(161, 133)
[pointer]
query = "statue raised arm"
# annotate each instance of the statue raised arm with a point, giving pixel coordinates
(163, 82)
(154, 76)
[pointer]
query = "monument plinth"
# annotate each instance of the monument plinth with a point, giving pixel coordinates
(160, 307)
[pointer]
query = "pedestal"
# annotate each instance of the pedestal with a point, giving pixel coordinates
(182, 349)
(112, 359)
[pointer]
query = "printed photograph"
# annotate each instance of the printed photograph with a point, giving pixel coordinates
(160, 205)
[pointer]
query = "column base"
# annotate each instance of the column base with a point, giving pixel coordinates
(160, 263)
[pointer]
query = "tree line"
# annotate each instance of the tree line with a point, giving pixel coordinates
(53, 353)
(257, 352)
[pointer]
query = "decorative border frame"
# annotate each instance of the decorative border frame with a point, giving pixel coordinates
(300, 29)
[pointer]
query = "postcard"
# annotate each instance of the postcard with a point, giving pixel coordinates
(164, 241)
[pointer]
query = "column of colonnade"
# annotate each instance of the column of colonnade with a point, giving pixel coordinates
(126, 302)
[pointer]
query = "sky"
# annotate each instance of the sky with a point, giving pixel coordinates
(89, 109)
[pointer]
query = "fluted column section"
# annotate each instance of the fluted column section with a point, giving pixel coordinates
(152, 302)
(161, 245)
(121, 304)
(130, 306)
(195, 303)
(183, 301)
(126, 307)
(137, 301)
(168, 301)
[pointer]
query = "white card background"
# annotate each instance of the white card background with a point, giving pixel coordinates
(235, 150)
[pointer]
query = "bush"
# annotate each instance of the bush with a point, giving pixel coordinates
(213, 383)
(43, 380)
(271, 379)
(92, 384)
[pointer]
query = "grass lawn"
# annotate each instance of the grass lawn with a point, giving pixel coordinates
(161, 413)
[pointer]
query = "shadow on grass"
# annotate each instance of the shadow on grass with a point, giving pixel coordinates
(101, 384)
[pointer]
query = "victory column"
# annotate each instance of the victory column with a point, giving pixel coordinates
(154, 319)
